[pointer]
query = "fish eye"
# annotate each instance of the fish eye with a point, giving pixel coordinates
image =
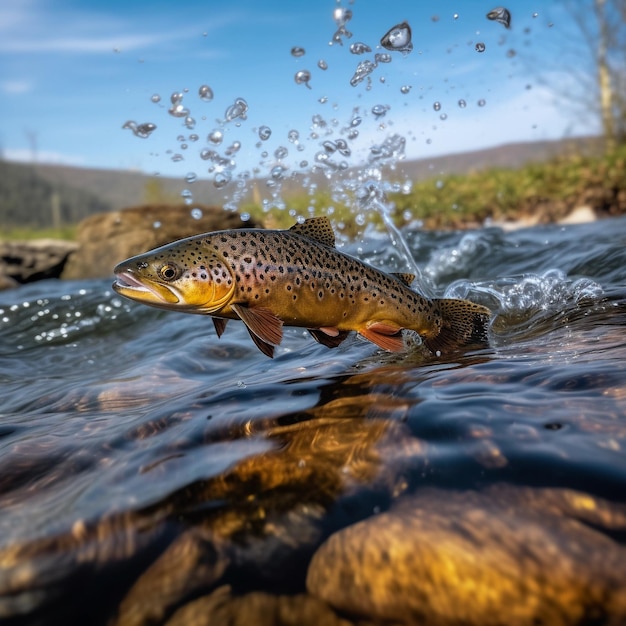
(169, 272)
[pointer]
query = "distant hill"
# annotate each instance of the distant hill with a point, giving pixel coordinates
(40, 195)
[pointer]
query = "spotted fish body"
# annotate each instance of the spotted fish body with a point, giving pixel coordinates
(295, 277)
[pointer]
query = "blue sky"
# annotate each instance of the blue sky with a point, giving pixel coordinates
(73, 72)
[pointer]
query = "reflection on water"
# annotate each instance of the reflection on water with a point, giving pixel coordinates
(151, 473)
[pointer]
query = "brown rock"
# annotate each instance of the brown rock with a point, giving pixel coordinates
(256, 609)
(106, 239)
(506, 556)
(28, 261)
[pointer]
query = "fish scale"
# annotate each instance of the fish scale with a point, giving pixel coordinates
(296, 277)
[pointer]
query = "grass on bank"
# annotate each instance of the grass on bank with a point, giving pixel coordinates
(548, 190)
(24, 233)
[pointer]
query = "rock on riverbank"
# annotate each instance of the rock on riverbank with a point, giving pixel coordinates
(106, 239)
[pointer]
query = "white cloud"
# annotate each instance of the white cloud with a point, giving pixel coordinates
(15, 87)
(36, 26)
(25, 155)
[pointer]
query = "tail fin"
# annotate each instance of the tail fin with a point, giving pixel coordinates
(463, 325)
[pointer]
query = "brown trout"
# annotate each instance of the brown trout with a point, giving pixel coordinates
(295, 277)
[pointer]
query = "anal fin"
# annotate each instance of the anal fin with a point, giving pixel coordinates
(384, 336)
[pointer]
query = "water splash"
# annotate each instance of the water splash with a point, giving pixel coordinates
(341, 16)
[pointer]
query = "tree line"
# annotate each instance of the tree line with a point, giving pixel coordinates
(29, 200)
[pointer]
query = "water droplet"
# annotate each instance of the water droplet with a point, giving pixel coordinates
(342, 16)
(343, 147)
(233, 148)
(298, 52)
(455, 16)
(293, 136)
(221, 179)
(405, 89)
(500, 15)
(156, 224)
(398, 38)
(177, 158)
(535, 14)
(191, 177)
(216, 137)
(265, 132)
(482, 102)
(303, 77)
(196, 213)
(363, 70)
(359, 47)
(277, 172)
(355, 121)
(156, 98)
(382, 57)
(329, 146)
(190, 123)
(322, 64)
(143, 131)
(437, 106)
(281, 152)
(205, 93)
(187, 196)
(178, 110)
(380, 110)
(443, 117)
(238, 109)
(480, 47)
(462, 103)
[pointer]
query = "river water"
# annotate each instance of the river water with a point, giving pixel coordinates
(150, 471)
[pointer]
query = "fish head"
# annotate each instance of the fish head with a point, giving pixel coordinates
(186, 275)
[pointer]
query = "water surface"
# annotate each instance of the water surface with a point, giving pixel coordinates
(146, 464)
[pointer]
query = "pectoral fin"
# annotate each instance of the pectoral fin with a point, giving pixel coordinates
(266, 348)
(262, 322)
(384, 336)
(321, 335)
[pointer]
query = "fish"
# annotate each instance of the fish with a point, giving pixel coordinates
(296, 277)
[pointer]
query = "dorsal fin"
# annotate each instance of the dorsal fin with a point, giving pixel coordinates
(316, 228)
(407, 279)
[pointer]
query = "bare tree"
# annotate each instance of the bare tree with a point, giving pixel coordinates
(593, 56)
(603, 25)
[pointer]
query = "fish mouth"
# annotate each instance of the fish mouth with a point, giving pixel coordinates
(127, 284)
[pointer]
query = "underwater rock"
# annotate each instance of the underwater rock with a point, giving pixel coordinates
(258, 608)
(105, 239)
(507, 555)
(28, 261)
